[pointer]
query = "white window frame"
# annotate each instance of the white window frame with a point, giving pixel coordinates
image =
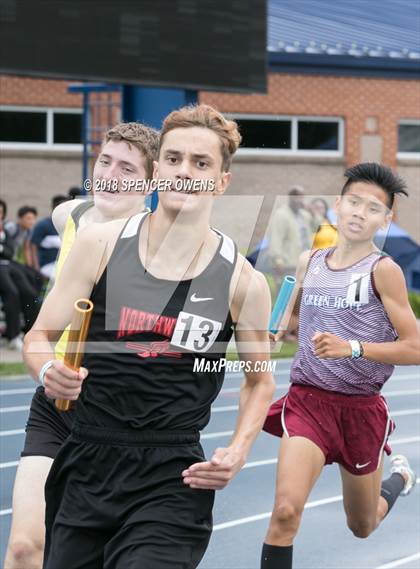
(49, 144)
(293, 151)
(408, 155)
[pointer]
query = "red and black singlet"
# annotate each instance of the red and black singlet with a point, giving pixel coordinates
(146, 334)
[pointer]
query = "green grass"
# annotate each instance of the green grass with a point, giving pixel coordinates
(285, 350)
(414, 298)
(13, 369)
(282, 351)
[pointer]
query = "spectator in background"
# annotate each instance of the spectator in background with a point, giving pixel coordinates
(326, 235)
(20, 232)
(290, 233)
(22, 258)
(45, 242)
(17, 294)
(8, 291)
(75, 192)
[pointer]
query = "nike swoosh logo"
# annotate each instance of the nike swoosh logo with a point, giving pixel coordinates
(195, 298)
(358, 466)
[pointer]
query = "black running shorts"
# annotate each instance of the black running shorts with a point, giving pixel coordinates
(116, 499)
(47, 428)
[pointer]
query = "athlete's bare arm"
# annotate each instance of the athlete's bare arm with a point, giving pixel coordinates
(250, 310)
(61, 212)
(391, 287)
(82, 268)
(252, 302)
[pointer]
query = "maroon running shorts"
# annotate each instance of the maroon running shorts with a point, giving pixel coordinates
(350, 430)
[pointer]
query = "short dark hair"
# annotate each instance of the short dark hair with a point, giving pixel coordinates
(296, 191)
(57, 200)
(74, 192)
(378, 175)
(3, 204)
(26, 209)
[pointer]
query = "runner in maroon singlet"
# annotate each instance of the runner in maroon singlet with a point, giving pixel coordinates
(355, 324)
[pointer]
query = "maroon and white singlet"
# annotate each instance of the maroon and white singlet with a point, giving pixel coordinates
(345, 303)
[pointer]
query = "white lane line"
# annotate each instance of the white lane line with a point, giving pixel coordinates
(9, 464)
(227, 408)
(11, 433)
(208, 436)
(407, 440)
(265, 515)
(404, 377)
(249, 519)
(205, 436)
(17, 391)
(401, 392)
(219, 409)
(269, 461)
(395, 393)
(404, 412)
(216, 435)
(16, 409)
(230, 390)
(22, 391)
(229, 433)
(248, 464)
(399, 562)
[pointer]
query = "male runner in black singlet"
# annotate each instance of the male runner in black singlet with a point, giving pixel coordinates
(131, 488)
(127, 153)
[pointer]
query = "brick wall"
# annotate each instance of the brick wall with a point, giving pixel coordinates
(408, 209)
(353, 98)
(50, 93)
(36, 92)
(29, 177)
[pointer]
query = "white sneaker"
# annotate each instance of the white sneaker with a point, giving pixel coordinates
(16, 344)
(400, 465)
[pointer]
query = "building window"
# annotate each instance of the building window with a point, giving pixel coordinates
(67, 128)
(316, 136)
(265, 133)
(409, 138)
(23, 127)
(31, 127)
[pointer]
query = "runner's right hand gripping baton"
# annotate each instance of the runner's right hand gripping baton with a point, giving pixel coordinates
(75, 345)
(281, 303)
